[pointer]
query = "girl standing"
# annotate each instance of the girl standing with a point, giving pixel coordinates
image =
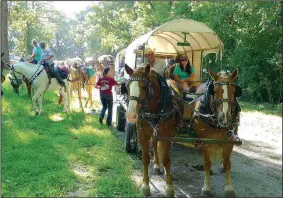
(105, 84)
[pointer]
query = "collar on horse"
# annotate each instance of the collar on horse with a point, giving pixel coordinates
(36, 74)
(166, 107)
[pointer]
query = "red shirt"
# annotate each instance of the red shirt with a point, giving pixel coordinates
(106, 84)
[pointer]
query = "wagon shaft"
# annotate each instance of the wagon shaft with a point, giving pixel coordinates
(199, 140)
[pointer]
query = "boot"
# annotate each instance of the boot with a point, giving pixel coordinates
(58, 77)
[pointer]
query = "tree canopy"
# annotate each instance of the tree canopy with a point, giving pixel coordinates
(250, 30)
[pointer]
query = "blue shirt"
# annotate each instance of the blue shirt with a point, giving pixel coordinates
(37, 50)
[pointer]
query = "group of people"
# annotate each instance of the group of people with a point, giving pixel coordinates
(183, 73)
(43, 55)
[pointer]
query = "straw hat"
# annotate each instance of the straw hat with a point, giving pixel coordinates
(148, 50)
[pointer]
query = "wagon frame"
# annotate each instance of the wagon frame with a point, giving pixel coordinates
(180, 36)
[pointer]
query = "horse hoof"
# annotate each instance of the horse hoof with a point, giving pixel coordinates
(169, 191)
(205, 193)
(145, 190)
(229, 194)
(157, 171)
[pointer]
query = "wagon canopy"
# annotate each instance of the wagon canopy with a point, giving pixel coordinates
(202, 40)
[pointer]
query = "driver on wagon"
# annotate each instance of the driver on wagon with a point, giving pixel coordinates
(157, 64)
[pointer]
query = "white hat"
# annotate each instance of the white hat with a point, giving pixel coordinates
(148, 50)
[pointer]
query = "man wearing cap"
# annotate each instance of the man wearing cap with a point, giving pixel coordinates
(47, 59)
(157, 64)
(36, 54)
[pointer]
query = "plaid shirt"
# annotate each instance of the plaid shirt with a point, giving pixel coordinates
(45, 54)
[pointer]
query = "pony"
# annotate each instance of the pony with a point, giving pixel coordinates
(219, 102)
(154, 107)
(39, 81)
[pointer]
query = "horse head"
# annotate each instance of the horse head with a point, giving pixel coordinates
(222, 93)
(140, 88)
(16, 78)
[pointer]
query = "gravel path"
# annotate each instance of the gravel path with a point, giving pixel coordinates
(256, 164)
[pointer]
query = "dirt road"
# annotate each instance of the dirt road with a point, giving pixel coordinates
(256, 164)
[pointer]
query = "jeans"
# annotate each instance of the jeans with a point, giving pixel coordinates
(107, 103)
(34, 61)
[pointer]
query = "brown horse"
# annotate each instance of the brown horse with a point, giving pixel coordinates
(154, 107)
(219, 102)
(80, 79)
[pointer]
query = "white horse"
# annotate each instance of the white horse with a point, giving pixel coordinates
(38, 79)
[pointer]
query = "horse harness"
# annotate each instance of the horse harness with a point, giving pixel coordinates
(167, 107)
(208, 115)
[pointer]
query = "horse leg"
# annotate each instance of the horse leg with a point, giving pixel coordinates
(229, 190)
(40, 99)
(60, 99)
(65, 102)
(144, 142)
(80, 96)
(156, 167)
(69, 91)
(164, 157)
(90, 95)
(206, 190)
(34, 98)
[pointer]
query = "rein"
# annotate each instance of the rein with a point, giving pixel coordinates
(166, 105)
(19, 81)
(33, 77)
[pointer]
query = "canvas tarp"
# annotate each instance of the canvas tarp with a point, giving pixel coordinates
(164, 39)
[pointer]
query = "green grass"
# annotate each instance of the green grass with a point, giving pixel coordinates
(265, 108)
(41, 154)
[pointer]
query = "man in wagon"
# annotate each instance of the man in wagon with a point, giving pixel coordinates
(159, 65)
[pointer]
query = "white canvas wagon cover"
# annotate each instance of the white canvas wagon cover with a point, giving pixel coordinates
(202, 39)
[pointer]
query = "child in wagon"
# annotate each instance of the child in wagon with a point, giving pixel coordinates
(105, 84)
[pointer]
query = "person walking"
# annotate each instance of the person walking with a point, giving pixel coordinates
(105, 84)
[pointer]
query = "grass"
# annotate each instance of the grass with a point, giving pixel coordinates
(265, 108)
(56, 154)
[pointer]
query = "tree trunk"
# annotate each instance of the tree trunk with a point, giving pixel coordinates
(151, 5)
(4, 31)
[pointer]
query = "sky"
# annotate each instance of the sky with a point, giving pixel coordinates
(71, 7)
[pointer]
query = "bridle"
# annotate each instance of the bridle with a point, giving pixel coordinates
(149, 90)
(14, 77)
(216, 102)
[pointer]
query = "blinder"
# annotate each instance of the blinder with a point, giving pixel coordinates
(238, 89)
(148, 87)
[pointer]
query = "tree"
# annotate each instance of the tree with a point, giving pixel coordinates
(4, 31)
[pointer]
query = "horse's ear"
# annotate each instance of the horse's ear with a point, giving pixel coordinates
(234, 74)
(212, 75)
(147, 69)
(128, 69)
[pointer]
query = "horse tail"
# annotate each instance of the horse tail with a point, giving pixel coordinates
(215, 152)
